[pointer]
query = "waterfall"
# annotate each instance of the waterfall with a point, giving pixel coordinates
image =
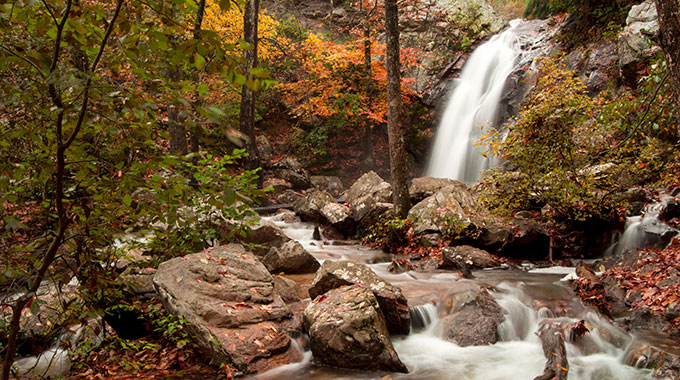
(422, 316)
(644, 231)
(472, 110)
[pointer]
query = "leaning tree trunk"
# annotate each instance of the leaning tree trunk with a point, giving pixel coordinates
(669, 30)
(395, 133)
(247, 118)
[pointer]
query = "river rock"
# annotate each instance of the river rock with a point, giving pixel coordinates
(331, 184)
(370, 184)
(290, 258)
(309, 208)
(347, 330)
(393, 304)
(453, 202)
(666, 364)
(424, 187)
(227, 297)
(289, 290)
(265, 235)
(264, 149)
(470, 256)
(472, 315)
(368, 211)
(289, 169)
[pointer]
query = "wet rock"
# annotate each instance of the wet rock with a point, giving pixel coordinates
(289, 290)
(671, 210)
(265, 235)
(393, 304)
(227, 297)
(347, 330)
(367, 211)
(451, 203)
(331, 184)
(290, 258)
(666, 364)
(339, 217)
(472, 316)
(472, 257)
(285, 216)
(370, 184)
(424, 187)
(556, 366)
(309, 208)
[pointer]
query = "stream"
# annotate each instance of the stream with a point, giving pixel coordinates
(528, 299)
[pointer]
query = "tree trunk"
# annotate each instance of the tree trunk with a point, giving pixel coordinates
(194, 143)
(669, 31)
(247, 117)
(395, 134)
(369, 77)
(176, 128)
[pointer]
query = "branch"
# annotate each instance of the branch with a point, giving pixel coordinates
(49, 10)
(14, 53)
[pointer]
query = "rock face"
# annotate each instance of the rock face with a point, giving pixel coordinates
(472, 316)
(289, 290)
(635, 46)
(227, 297)
(456, 201)
(290, 258)
(393, 304)
(470, 256)
(347, 330)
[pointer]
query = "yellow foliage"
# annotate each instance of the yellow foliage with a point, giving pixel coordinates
(229, 25)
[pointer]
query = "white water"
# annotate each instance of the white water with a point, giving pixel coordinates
(643, 231)
(528, 299)
(472, 109)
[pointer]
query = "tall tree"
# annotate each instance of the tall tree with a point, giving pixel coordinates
(395, 133)
(669, 30)
(248, 91)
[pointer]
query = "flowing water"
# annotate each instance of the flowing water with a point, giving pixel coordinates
(528, 299)
(644, 231)
(471, 109)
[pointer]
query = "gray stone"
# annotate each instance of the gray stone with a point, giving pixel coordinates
(455, 257)
(472, 316)
(424, 187)
(290, 258)
(370, 184)
(393, 304)
(289, 290)
(347, 330)
(266, 235)
(333, 185)
(453, 202)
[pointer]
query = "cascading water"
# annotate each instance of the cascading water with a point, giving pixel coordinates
(529, 300)
(472, 110)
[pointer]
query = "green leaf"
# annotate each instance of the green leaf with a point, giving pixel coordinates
(199, 61)
(203, 89)
(14, 224)
(127, 200)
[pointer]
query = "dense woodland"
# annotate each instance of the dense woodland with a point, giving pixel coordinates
(166, 118)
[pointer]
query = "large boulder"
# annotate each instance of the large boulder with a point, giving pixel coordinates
(465, 255)
(346, 329)
(290, 170)
(265, 235)
(289, 290)
(321, 207)
(472, 316)
(451, 203)
(370, 184)
(227, 297)
(290, 258)
(393, 304)
(331, 184)
(424, 187)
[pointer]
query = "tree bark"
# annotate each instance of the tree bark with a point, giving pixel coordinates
(669, 31)
(369, 77)
(247, 117)
(395, 133)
